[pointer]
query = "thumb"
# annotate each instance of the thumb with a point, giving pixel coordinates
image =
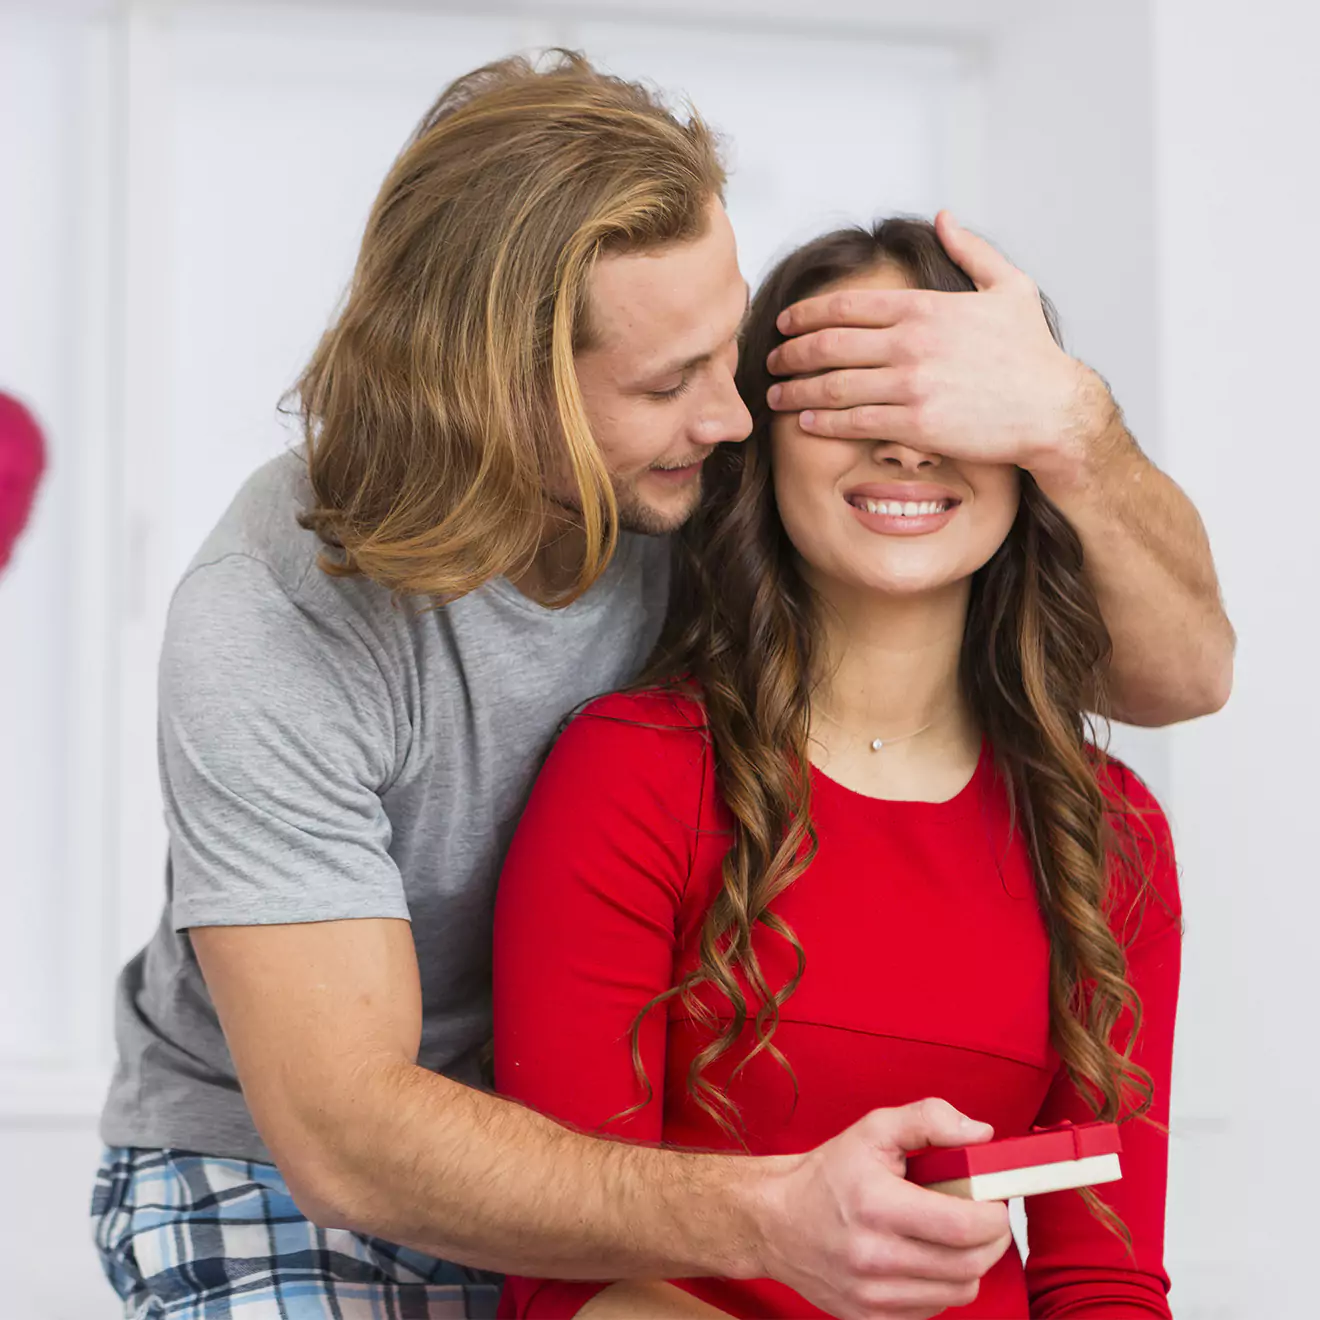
(929, 1122)
(986, 266)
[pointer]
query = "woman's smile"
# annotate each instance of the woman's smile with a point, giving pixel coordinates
(902, 508)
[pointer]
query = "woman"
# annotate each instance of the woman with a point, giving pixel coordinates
(849, 845)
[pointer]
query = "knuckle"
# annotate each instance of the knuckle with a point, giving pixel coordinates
(861, 1258)
(875, 1300)
(968, 1266)
(932, 1108)
(917, 343)
(964, 1294)
(835, 387)
(961, 1235)
(869, 420)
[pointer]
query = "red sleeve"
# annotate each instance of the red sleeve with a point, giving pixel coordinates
(585, 930)
(1075, 1265)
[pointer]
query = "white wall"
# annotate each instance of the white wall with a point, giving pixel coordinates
(182, 203)
(1237, 107)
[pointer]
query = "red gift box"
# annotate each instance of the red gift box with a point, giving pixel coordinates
(1074, 1154)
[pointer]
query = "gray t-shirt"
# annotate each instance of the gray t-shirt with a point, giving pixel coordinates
(326, 753)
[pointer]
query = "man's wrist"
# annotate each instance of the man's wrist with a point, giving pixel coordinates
(755, 1195)
(1091, 444)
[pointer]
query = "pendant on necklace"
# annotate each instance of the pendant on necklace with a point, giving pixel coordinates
(877, 744)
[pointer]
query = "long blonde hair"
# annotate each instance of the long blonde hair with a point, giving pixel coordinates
(444, 394)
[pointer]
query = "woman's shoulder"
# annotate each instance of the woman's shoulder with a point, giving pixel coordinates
(1141, 839)
(629, 777)
(1130, 799)
(672, 709)
(654, 738)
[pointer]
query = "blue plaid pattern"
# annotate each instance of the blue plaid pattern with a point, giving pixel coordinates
(193, 1237)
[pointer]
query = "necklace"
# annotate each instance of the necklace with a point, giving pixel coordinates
(878, 744)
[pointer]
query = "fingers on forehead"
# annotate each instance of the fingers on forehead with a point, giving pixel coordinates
(858, 307)
(834, 346)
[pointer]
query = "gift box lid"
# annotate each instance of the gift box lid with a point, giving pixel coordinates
(1067, 1141)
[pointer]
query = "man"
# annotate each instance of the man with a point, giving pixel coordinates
(362, 668)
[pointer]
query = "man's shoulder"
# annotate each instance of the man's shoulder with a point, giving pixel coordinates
(261, 524)
(259, 539)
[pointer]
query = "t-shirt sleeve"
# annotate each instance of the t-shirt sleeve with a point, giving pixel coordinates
(586, 933)
(276, 738)
(1075, 1265)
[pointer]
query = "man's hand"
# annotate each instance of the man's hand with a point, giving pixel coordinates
(850, 1234)
(977, 376)
(368, 1140)
(973, 376)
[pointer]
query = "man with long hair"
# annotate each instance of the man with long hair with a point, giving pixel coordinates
(372, 651)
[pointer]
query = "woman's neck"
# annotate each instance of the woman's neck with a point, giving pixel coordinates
(888, 673)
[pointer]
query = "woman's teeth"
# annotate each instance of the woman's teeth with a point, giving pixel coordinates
(899, 509)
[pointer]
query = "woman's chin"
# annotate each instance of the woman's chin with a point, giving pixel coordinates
(906, 584)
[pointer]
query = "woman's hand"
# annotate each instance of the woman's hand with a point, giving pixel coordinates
(876, 1245)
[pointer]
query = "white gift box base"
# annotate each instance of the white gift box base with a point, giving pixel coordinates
(1033, 1180)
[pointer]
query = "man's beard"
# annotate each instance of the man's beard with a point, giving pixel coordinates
(635, 515)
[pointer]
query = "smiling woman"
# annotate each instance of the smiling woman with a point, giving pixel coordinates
(849, 846)
(896, 497)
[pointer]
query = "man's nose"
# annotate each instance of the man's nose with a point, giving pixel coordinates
(726, 419)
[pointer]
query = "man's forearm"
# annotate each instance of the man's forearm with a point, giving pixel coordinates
(471, 1177)
(1148, 558)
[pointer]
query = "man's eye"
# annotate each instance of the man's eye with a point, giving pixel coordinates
(680, 388)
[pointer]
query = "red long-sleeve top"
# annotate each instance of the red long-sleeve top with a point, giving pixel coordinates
(926, 974)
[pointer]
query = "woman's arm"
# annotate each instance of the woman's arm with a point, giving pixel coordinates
(1076, 1266)
(585, 937)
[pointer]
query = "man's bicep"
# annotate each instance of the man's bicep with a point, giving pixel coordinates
(311, 1012)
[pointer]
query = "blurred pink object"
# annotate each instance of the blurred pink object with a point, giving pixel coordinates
(22, 458)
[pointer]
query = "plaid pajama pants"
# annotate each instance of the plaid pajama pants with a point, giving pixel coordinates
(192, 1237)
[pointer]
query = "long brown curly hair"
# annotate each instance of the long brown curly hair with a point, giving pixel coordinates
(740, 637)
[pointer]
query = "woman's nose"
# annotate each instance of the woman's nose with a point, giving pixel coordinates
(911, 460)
